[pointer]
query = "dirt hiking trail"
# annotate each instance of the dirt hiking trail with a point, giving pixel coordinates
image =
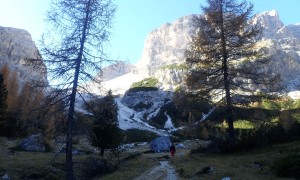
(162, 172)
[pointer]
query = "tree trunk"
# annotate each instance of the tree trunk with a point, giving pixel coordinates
(102, 151)
(69, 161)
(229, 113)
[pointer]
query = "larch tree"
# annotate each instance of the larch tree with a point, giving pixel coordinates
(74, 50)
(224, 62)
(11, 80)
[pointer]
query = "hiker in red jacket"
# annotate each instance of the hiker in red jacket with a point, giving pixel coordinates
(172, 150)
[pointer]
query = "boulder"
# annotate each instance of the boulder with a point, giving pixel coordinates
(5, 177)
(180, 146)
(33, 143)
(160, 144)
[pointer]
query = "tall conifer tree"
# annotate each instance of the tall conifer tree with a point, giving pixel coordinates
(74, 49)
(222, 57)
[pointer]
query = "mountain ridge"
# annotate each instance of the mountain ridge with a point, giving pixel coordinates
(18, 50)
(164, 46)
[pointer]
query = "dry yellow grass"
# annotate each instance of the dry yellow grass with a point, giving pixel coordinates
(236, 166)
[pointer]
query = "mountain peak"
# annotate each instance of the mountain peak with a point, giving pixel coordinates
(270, 23)
(19, 50)
(273, 13)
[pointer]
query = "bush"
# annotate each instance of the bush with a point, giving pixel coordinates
(136, 89)
(148, 82)
(283, 103)
(252, 138)
(288, 167)
(93, 166)
(239, 124)
(136, 135)
(175, 67)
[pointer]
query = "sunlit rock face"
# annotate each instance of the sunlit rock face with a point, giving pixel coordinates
(270, 23)
(294, 29)
(18, 50)
(169, 78)
(283, 43)
(164, 47)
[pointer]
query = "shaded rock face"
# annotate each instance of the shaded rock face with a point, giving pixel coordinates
(19, 51)
(160, 144)
(146, 103)
(116, 70)
(33, 143)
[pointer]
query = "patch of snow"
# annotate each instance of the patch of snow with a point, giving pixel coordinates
(118, 85)
(128, 119)
(273, 13)
(151, 101)
(151, 115)
(169, 125)
(79, 105)
(127, 146)
(226, 178)
(204, 116)
(5, 177)
(294, 94)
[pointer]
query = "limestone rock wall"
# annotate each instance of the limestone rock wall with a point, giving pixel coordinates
(18, 50)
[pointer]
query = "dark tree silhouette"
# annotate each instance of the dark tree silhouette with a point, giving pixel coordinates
(3, 104)
(73, 49)
(223, 59)
(105, 128)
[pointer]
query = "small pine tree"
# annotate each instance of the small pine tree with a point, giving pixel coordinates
(106, 132)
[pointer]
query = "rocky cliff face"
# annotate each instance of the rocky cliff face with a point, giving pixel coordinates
(163, 58)
(116, 70)
(283, 43)
(19, 51)
(147, 104)
(164, 51)
(165, 45)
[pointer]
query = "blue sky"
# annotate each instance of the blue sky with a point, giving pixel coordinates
(134, 19)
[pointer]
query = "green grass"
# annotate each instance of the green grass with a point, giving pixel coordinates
(131, 169)
(174, 67)
(239, 124)
(243, 124)
(236, 166)
(33, 165)
(148, 82)
(296, 117)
